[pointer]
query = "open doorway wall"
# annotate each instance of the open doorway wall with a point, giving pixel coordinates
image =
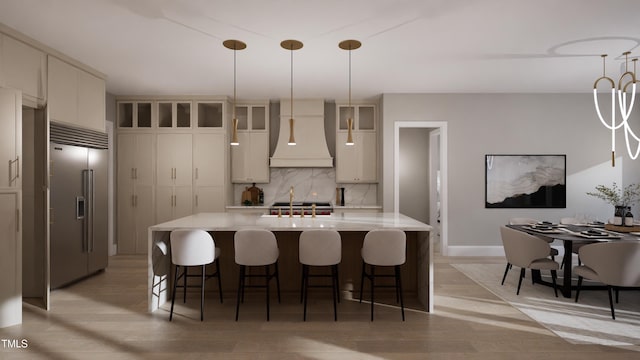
(429, 185)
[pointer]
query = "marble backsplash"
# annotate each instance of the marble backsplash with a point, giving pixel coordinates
(310, 184)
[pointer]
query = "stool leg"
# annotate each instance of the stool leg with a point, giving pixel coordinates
(337, 284)
(399, 289)
(302, 285)
(184, 299)
(240, 289)
(173, 293)
(219, 279)
(202, 294)
(305, 277)
(278, 281)
(267, 278)
(334, 292)
(362, 281)
(373, 279)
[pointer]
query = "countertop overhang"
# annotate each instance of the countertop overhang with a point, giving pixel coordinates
(341, 222)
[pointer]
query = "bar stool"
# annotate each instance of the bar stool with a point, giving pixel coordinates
(320, 248)
(193, 248)
(384, 247)
(256, 247)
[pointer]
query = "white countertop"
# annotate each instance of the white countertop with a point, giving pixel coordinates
(352, 221)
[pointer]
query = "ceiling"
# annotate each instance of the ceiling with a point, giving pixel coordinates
(164, 47)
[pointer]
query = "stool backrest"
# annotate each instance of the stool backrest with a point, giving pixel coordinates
(320, 247)
(192, 247)
(255, 247)
(385, 247)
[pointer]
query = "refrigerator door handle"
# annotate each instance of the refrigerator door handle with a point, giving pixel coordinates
(90, 210)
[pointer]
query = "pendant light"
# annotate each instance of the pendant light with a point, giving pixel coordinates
(234, 45)
(350, 45)
(291, 45)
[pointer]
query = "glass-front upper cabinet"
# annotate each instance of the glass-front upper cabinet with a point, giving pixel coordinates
(174, 114)
(210, 114)
(134, 114)
(364, 117)
(252, 117)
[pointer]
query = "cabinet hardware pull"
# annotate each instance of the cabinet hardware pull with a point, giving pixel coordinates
(18, 220)
(133, 176)
(133, 201)
(17, 164)
(196, 173)
(135, 173)
(136, 202)
(196, 200)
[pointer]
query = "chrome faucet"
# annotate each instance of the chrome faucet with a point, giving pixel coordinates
(291, 202)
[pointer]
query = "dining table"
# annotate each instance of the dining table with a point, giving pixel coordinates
(570, 234)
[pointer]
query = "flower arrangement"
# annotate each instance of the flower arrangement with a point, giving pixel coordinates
(616, 196)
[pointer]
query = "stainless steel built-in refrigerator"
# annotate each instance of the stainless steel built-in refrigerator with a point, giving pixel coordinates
(78, 199)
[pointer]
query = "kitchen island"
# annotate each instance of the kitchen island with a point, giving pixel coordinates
(417, 272)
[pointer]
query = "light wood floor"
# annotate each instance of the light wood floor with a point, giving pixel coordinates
(105, 317)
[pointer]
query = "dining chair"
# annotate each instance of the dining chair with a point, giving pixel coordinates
(256, 247)
(190, 248)
(527, 252)
(553, 252)
(386, 248)
(614, 264)
(320, 248)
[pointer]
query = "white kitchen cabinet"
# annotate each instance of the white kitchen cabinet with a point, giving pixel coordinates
(173, 202)
(174, 176)
(135, 190)
(209, 167)
(23, 67)
(208, 199)
(10, 207)
(134, 114)
(10, 138)
(174, 114)
(250, 159)
(174, 158)
(357, 163)
(209, 114)
(10, 259)
(75, 96)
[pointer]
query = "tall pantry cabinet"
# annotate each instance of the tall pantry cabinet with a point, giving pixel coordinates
(174, 163)
(10, 207)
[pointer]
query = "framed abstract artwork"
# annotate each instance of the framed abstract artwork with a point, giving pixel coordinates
(525, 181)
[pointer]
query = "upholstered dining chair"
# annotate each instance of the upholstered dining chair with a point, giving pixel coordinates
(528, 221)
(190, 248)
(614, 264)
(527, 252)
(256, 247)
(383, 248)
(320, 248)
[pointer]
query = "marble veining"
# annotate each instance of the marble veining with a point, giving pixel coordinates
(310, 184)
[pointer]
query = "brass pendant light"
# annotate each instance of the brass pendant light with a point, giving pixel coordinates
(350, 45)
(291, 45)
(234, 45)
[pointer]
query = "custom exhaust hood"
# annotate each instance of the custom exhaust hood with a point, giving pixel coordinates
(311, 145)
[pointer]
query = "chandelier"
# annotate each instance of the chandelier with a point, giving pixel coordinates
(625, 92)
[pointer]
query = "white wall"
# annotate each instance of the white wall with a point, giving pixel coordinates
(480, 124)
(414, 173)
